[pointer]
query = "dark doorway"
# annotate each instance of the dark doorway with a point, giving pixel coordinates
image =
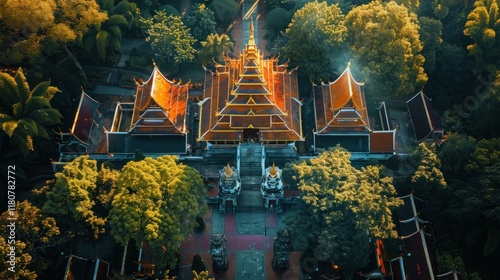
(250, 135)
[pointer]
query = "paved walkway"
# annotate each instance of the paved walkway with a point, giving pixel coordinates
(250, 239)
(250, 235)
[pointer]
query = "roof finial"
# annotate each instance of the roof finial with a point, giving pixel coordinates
(272, 172)
(251, 41)
(229, 170)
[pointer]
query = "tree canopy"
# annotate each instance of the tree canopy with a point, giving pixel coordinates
(25, 114)
(157, 202)
(385, 44)
(315, 38)
(81, 194)
(201, 22)
(341, 208)
(170, 39)
(30, 27)
(214, 48)
(483, 23)
(35, 234)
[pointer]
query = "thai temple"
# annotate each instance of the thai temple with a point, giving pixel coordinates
(247, 121)
(250, 99)
(341, 117)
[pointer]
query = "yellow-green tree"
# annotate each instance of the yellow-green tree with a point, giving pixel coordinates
(385, 44)
(341, 208)
(170, 39)
(214, 48)
(34, 26)
(157, 202)
(483, 23)
(315, 39)
(81, 193)
(428, 174)
(35, 233)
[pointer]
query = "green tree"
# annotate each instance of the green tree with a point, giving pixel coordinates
(157, 202)
(472, 204)
(430, 35)
(315, 39)
(225, 11)
(198, 265)
(447, 262)
(46, 25)
(428, 174)
(106, 37)
(384, 39)
(483, 23)
(35, 234)
(25, 114)
(483, 122)
(170, 39)
(456, 153)
(341, 208)
(82, 194)
(278, 19)
(214, 48)
(201, 22)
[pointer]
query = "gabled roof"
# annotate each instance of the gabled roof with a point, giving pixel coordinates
(250, 93)
(341, 105)
(160, 106)
(421, 262)
(84, 118)
(425, 121)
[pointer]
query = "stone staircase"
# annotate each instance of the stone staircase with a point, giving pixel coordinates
(250, 167)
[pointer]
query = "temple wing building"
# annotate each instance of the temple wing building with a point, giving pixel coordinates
(79, 138)
(250, 99)
(426, 123)
(155, 122)
(341, 117)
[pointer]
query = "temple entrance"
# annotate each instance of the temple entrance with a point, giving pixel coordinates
(250, 135)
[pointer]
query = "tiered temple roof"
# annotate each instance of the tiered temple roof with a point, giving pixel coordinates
(250, 94)
(341, 105)
(156, 122)
(160, 106)
(342, 118)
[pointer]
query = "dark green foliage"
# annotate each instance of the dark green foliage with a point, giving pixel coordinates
(224, 10)
(201, 22)
(200, 225)
(430, 35)
(169, 10)
(278, 19)
(198, 265)
(393, 163)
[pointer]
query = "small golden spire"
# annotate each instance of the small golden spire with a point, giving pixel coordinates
(229, 170)
(272, 172)
(251, 41)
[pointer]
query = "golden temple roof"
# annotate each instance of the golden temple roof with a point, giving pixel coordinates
(160, 106)
(341, 105)
(250, 93)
